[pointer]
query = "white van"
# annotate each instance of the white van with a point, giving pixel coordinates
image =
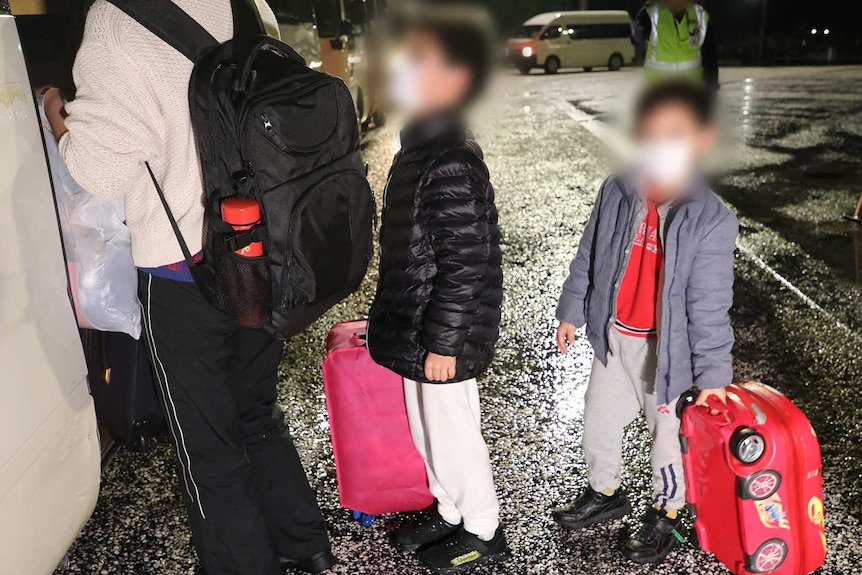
(555, 40)
(49, 447)
(298, 28)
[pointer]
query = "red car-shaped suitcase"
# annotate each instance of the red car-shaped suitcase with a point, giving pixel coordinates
(753, 471)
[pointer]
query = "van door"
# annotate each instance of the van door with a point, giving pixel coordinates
(610, 39)
(49, 447)
(583, 45)
(554, 44)
(297, 28)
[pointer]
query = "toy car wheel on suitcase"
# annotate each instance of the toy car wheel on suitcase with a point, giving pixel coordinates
(760, 486)
(768, 557)
(747, 445)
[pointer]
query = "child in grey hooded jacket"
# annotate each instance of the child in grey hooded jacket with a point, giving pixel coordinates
(653, 282)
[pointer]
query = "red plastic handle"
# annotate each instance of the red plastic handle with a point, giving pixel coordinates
(714, 404)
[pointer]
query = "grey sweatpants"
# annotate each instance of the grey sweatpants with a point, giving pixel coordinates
(615, 395)
(445, 422)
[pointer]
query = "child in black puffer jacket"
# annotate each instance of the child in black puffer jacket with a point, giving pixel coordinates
(435, 319)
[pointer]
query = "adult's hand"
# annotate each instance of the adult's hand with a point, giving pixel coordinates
(55, 111)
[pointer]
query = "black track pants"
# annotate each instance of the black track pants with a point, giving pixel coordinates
(247, 494)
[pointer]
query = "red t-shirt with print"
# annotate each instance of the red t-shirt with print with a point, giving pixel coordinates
(638, 293)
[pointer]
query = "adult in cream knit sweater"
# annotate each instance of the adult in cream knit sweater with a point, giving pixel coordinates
(250, 505)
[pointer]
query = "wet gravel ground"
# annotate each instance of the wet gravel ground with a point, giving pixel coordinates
(797, 316)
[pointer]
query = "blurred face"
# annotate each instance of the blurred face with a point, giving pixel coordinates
(423, 81)
(671, 144)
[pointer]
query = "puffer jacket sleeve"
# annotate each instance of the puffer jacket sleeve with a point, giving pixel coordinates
(455, 203)
(709, 298)
(570, 308)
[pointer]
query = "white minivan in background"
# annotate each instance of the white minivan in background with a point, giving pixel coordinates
(297, 27)
(49, 447)
(587, 39)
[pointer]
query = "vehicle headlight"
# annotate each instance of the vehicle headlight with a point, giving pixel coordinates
(527, 52)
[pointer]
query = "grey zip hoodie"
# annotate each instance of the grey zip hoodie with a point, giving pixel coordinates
(694, 334)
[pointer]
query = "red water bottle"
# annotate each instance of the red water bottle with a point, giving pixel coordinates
(243, 214)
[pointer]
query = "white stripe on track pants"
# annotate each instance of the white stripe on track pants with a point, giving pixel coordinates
(615, 395)
(446, 428)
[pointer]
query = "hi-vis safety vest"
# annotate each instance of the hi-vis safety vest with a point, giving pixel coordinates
(674, 46)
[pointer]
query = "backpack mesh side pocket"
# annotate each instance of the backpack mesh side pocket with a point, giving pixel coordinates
(244, 284)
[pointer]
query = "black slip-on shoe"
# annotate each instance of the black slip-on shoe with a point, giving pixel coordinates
(417, 535)
(593, 507)
(317, 563)
(463, 551)
(658, 535)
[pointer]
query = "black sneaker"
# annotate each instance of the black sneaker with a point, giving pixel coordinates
(462, 551)
(317, 563)
(417, 535)
(658, 535)
(593, 507)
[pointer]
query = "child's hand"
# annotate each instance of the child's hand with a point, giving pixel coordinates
(439, 367)
(565, 336)
(720, 393)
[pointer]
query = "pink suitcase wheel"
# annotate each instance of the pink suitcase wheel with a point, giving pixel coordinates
(769, 556)
(364, 519)
(762, 485)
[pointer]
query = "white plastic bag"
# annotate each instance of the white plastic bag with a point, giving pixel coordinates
(98, 251)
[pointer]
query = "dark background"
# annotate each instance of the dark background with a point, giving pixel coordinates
(787, 38)
(739, 17)
(51, 40)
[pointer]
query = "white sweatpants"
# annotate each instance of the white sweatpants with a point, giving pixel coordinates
(446, 427)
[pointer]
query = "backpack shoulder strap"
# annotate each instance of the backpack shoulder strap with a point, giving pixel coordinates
(170, 23)
(247, 21)
(187, 255)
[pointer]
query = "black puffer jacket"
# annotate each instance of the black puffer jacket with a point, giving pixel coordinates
(441, 284)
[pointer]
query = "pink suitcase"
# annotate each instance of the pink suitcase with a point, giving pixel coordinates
(379, 469)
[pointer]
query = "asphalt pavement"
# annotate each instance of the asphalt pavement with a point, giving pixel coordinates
(792, 168)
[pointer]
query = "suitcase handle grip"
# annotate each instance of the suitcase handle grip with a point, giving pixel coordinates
(359, 339)
(716, 405)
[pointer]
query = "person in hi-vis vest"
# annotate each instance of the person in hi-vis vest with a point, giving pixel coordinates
(678, 39)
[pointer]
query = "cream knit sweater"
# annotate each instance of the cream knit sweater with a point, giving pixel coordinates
(132, 107)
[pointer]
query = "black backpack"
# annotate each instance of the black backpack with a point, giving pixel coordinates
(269, 128)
